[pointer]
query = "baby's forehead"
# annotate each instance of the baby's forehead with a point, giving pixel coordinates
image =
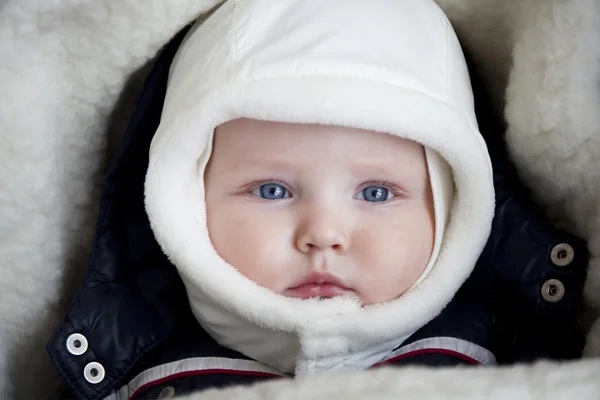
(244, 144)
(243, 132)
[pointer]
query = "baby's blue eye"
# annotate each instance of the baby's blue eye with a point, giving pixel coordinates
(375, 194)
(272, 191)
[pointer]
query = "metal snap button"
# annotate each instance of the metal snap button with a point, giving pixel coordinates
(94, 373)
(77, 344)
(553, 290)
(562, 254)
(166, 393)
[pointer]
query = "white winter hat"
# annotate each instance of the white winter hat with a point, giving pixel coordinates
(384, 65)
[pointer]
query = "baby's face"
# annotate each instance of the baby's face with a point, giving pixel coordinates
(320, 211)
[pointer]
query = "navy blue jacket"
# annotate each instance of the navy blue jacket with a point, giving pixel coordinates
(130, 332)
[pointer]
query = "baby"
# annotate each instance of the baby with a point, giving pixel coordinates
(318, 178)
(316, 195)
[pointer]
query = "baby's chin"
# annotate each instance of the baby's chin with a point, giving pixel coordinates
(348, 297)
(354, 298)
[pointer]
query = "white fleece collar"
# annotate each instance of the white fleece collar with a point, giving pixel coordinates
(392, 66)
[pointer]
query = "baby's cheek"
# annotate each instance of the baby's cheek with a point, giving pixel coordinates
(392, 254)
(249, 243)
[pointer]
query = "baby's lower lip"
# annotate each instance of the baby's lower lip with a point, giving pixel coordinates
(316, 290)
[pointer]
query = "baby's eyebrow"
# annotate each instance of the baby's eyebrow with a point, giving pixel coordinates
(386, 167)
(389, 168)
(261, 162)
(379, 168)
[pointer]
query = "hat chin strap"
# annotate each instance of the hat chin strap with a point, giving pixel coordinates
(442, 188)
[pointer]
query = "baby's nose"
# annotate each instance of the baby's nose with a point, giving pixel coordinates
(306, 245)
(322, 233)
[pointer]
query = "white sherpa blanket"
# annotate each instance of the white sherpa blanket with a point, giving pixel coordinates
(542, 381)
(70, 69)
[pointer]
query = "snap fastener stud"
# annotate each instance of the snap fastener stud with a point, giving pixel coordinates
(553, 290)
(166, 393)
(562, 254)
(94, 373)
(77, 344)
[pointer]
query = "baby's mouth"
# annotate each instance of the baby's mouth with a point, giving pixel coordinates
(317, 284)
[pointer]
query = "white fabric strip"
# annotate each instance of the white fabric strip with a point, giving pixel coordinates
(471, 350)
(468, 349)
(188, 365)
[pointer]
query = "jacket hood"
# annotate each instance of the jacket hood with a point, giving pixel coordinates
(394, 67)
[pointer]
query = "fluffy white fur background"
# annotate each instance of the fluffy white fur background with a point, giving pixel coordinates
(544, 381)
(70, 69)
